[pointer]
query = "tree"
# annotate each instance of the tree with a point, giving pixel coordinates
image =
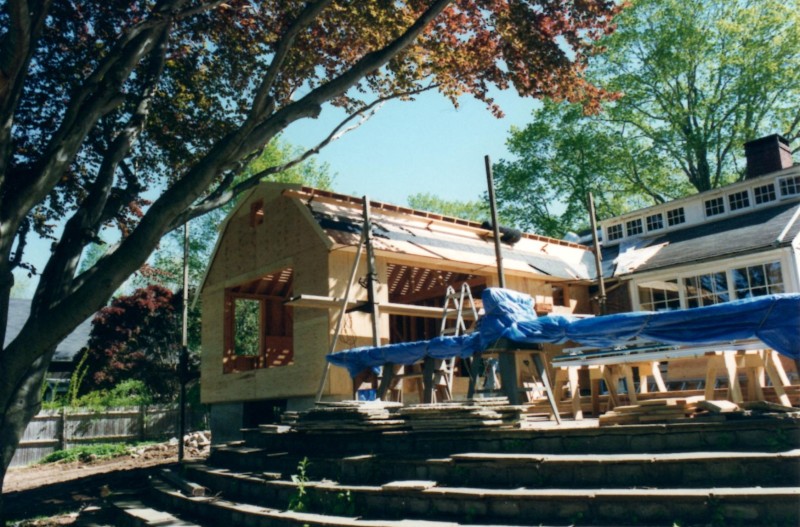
(134, 338)
(696, 79)
(142, 114)
(468, 210)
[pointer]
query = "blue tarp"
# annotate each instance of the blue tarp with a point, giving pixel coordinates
(773, 319)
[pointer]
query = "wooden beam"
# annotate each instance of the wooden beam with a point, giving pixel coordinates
(390, 308)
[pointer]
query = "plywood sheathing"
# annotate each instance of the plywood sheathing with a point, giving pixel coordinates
(435, 237)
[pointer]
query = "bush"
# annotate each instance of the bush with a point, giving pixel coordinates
(127, 393)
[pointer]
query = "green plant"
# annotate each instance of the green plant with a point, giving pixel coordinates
(77, 377)
(300, 500)
(86, 453)
(131, 392)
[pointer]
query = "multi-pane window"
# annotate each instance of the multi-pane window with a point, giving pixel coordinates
(790, 186)
(706, 289)
(633, 227)
(757, 280)
(614, 232)
(739, 200)
(764, 193)
(714, 206)
(676, 216)
(659, 296)
(655, 222)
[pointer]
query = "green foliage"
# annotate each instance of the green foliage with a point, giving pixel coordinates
(131, 392)
(247, 322)
(77, 378)
(695, 78)
(467, 210)
(301, 499)
(86, 453)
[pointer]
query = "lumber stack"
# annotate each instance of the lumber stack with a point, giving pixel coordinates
(652, 411)
(473, 414)
(346, 416)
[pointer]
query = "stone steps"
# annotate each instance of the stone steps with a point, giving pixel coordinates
(215, 511)
(750, 434)
(692, 469)
(424, 500)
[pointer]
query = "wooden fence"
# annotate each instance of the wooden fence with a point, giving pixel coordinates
(65, 428)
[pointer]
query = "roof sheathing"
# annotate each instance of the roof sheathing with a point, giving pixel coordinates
(404, 230)
(310, 194)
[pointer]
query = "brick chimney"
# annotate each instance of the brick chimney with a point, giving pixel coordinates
(767, 154)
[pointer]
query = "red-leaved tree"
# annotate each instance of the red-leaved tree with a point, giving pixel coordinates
(136, 337)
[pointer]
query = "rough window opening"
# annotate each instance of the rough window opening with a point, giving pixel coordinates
(258, 325)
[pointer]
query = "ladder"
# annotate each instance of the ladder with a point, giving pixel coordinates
(454, 301)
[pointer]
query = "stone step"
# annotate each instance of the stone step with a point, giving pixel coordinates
(522, 506)
(215, 511)
(132, 512)
(693, 469)
(684, 469)
(745, 434)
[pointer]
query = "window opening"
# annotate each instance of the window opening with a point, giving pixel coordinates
(659, 295)
(790, 186)
(655, 222)
(257, 213)
(758, 280)
(739, 200)
(706, 289)
(714, 206)
(676, 216)
(764, 194)
(634, 227)
(614, 232)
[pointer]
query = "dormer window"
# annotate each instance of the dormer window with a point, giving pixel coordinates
(257, 213)
(790, 186)
(739, 200)
(714, 206)
(633, 227)
(764, 193)
(655, 222)
(676, 217)
(614, 232)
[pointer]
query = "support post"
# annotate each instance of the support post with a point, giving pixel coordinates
(183, 360)
(498, 251)
(372, 275)
(598, 257)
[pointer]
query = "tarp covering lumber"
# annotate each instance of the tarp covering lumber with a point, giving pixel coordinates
(773, 319)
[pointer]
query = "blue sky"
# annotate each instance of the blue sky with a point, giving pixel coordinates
(421, 146)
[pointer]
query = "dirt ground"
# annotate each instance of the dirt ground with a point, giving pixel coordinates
(45, 490)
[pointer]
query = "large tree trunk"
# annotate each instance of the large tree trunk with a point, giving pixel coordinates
(17, 411)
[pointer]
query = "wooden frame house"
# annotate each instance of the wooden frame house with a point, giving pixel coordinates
(283, 241)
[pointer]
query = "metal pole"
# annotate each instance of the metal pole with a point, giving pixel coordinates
(495, 225)
(340, 321)
(184, 358)
(372, 277)
(598, 256)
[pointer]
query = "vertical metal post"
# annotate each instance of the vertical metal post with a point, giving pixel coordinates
(495, 225)
(372, 275)
(598, 256)
(184, 357)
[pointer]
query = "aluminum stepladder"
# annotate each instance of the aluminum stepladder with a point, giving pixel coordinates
(438, 373)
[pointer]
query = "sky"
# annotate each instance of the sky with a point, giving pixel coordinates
(421, 146)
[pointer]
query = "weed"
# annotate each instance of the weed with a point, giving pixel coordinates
(300, 500)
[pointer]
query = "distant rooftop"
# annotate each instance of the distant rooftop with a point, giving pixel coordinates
(18, 310)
